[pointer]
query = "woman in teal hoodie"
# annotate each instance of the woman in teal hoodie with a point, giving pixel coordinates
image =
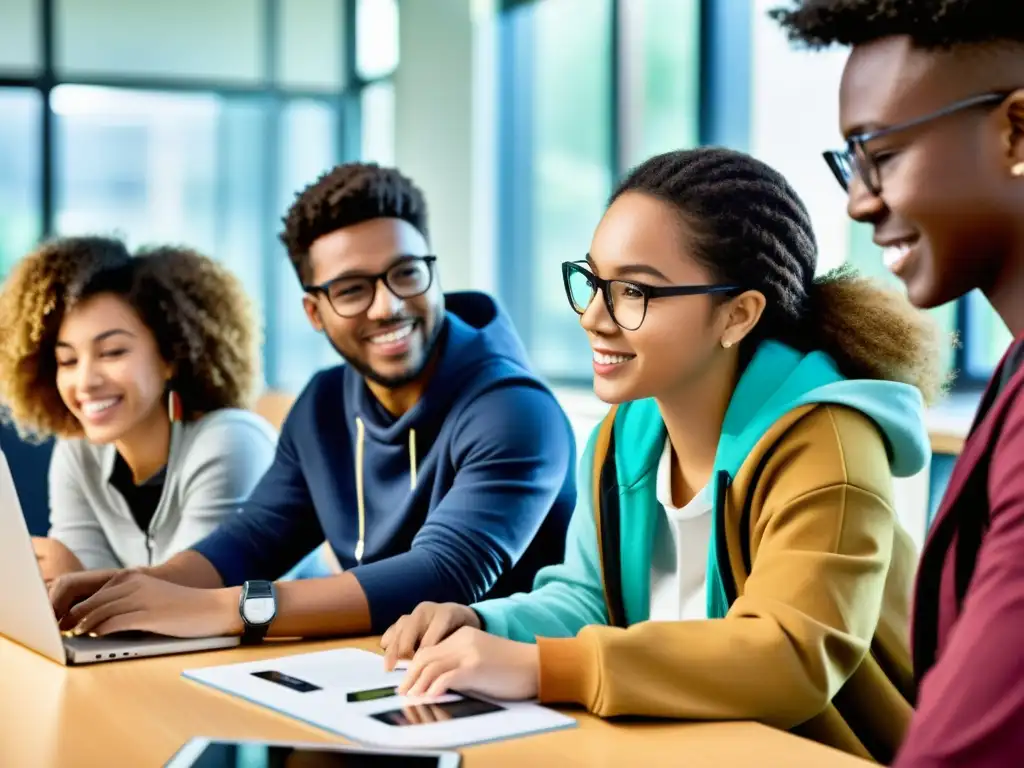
(735, 553)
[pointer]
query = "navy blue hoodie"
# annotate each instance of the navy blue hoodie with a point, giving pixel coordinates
(465, 496)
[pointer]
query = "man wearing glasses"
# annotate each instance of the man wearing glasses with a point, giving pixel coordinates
(434, 463)
(932, 108)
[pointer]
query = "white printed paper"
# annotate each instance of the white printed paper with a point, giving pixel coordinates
(347, 691)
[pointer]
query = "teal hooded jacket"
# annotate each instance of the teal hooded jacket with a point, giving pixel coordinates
(779, 379)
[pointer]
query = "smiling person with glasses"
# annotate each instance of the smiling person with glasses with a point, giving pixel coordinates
(434, 462)
(735, 554)
(932, 105)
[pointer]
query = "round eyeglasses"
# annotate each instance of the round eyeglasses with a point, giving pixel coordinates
(351, 295)
(626, 300)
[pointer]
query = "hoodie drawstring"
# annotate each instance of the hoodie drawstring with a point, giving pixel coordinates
(360, 501)
(412, 459)
(360, 505)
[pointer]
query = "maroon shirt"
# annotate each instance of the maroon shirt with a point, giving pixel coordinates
(968, 624)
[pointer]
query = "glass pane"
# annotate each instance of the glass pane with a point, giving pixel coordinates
(666, 91)
(311, 39)
(19, 35)
(376, 38)
(199, 39)
(163, 168)
(309, 147)
(570, 168)
(378, 116)
(987, 338)
(787, 81)
(20, 136)
(866, 257)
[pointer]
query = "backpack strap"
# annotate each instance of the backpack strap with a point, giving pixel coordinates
(606, 519)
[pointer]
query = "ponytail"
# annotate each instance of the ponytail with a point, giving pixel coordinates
(873, 332)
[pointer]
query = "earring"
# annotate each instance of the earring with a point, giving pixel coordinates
(174, 409)
(726, 344)
(1018, 169)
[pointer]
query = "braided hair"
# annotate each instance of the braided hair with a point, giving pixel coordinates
(750, 228)
(349, 194)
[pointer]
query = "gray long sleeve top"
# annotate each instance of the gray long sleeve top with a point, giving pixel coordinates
(213, 465)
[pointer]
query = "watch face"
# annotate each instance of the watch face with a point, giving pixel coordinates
(258, 610)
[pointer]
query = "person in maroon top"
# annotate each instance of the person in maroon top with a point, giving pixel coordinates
(932, 110)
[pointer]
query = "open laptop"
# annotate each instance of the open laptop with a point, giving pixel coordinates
(27, 617)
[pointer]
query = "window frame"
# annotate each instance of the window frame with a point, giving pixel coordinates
(346, 101)
(725, 118)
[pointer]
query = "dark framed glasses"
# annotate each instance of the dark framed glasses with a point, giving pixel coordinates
(626, 300)
(855, 159)
(352, 295)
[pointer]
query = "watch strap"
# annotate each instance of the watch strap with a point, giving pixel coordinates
(255, 633)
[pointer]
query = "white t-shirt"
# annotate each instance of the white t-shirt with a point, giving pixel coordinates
(680, 554)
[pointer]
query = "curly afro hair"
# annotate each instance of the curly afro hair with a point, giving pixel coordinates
(930, 24)
(751, 229)
(199, 313)
(346, 195)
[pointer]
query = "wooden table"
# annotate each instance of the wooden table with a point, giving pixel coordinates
(138, 713)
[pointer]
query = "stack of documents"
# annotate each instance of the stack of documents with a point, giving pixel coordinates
(347, 691)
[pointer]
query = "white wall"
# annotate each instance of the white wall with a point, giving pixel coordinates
(444, 135)
(794, 116)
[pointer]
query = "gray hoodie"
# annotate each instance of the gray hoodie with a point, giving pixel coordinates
(214, 464)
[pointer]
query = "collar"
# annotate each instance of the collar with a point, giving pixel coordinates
(663, 488)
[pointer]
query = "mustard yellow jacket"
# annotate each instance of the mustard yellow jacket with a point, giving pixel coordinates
(810, 630)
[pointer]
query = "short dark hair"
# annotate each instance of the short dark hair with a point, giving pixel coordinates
(752, 230)
(349, 194)
(930, 24)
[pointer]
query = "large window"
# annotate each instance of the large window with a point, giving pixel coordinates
(866, 257)
(162, 168)
(199, 135)
(566, 139)
(589, 88)
(20, 209)
(19, 43)
(307, 128)
(660, 61)
(570, 176)
(986, 338)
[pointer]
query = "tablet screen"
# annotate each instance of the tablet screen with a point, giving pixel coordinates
(253, 755)
(424, 714)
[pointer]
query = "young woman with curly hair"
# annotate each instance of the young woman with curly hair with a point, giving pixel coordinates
(735, 553)
(140, 366)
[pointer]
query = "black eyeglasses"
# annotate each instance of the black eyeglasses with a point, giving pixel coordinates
(855, 159)
(349, 296)
(626, 301)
